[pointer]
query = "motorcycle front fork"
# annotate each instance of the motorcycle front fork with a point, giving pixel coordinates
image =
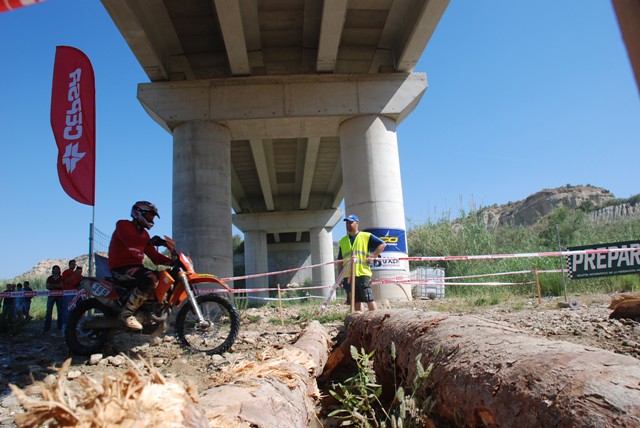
(191, 296)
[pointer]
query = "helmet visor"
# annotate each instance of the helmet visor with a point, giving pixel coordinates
(149, 215)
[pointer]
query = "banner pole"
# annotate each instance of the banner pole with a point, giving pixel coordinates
(562, 263)
(352, 279)
(538, 287)
(281, 310)
(91, 235)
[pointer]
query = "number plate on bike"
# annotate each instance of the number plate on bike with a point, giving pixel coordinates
(100, 290)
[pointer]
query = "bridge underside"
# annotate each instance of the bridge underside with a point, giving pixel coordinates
(279, 110)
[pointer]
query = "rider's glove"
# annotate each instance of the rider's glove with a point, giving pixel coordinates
(157, 241)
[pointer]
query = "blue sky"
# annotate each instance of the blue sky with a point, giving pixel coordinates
(523, 95)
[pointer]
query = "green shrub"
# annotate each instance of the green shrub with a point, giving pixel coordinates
(469, 236)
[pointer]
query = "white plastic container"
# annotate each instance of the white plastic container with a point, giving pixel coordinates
(428, 283)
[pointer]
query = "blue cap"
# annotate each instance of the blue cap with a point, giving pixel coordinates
(352, 217)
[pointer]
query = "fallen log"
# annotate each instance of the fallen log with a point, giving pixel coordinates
(626, 306)
(278, 391)
(489, 374)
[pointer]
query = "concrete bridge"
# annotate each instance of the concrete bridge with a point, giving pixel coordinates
(279, 110)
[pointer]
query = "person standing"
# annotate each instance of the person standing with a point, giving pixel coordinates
(54, 284)
(70, 281)
(364, 246)
(27, 300)
(129, 244)
(19, 312)
(7, 317)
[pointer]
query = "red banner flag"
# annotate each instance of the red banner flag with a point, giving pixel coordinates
(7, 5)
(73, 120)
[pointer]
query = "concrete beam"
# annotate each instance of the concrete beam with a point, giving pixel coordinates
(251, 26)
(311, 156)
(283, 106)
(150, 34)
(291, 221)
(334, 13)
(231, 26)
(416, 38)
(134, 33)
(257, 148)
(237, 192)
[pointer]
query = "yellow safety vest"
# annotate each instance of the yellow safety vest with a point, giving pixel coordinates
(360, 249)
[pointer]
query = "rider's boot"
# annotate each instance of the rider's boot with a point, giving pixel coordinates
(136, 299)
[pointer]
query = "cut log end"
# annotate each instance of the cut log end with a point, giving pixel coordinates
(626, 306)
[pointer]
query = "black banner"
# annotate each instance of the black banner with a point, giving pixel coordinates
(606, 263)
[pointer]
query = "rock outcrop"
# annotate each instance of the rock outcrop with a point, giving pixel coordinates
(528, 211)
(43, 268)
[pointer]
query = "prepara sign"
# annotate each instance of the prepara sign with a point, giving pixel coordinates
(604, 264)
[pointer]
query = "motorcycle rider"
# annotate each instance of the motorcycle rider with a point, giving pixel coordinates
(129, 244)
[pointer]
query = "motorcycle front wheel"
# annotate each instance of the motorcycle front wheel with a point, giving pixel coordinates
(87, 341)
(218, 331)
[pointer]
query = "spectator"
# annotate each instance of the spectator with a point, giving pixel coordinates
(8, 307)
(70, 282)
(19, 312)
(26, 307)
(54, 283)
(360, 245)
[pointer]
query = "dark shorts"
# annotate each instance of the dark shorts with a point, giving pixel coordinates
(363, 288)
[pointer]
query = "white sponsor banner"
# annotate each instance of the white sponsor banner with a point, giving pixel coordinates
(388, 260)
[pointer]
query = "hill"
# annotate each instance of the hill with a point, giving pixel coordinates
(599, 202)
(43, 268)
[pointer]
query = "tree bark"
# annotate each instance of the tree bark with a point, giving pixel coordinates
(280, 392)
(626, 306)
(489, 374)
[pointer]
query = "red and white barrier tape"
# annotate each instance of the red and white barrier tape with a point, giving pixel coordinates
(258, 275)
(383, 281)
(519, 255)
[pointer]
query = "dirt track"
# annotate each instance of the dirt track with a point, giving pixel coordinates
(32, 355)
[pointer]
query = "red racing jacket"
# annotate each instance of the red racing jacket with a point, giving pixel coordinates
(129, 244)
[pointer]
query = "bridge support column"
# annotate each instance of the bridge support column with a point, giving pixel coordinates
(373, 191)
(255, 261)
(202, 195)
(322, 252)
(318, 223)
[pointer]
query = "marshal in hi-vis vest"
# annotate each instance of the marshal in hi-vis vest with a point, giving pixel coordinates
(360, 249)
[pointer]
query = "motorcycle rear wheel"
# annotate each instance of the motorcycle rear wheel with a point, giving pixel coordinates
(219, 331)
(85, 342)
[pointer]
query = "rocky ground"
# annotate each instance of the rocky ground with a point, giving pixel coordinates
(31, 355)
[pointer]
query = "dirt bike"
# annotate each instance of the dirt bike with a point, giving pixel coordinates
(205, 322)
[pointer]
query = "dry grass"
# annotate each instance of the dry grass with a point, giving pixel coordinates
(133, 399)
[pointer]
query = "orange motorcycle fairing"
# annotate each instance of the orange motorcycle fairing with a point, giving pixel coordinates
(165, 280)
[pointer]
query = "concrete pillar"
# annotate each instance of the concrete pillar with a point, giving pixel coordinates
(255, 261)
(322, 252)
(373, 191)
(202, 195)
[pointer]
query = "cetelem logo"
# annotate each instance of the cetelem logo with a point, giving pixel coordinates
(73, 122)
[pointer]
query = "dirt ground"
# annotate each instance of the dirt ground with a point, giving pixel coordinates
(31, 355)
